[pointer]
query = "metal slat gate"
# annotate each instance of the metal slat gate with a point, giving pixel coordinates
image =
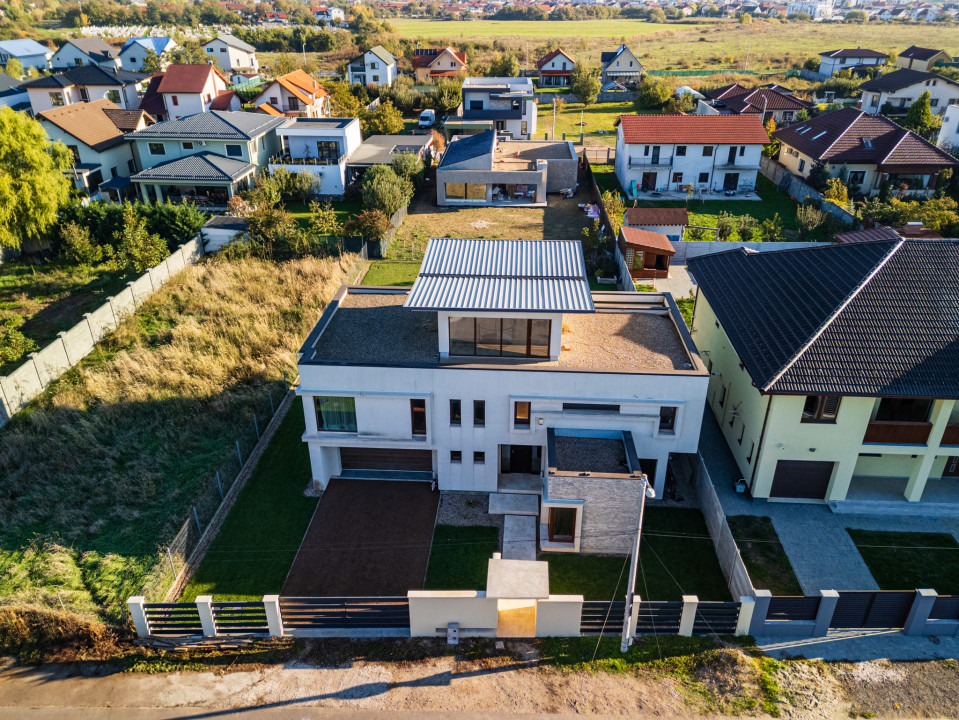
(872, 609)
(346, 613)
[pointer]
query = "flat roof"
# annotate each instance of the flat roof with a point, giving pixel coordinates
(635, 333)
(523, 154)
(306, 123)
(590, 454)
(379, 149)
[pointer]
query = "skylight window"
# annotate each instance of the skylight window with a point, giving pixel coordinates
(802, 130)
(867, 143)
(816, 137)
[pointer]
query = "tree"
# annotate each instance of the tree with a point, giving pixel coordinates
(857, 16)
(919, 116)
(653, 94)
(745, 227)
(14, 68)
(342, 102)
(407, 165)
(818, 176)
(585, 84)
(384, 120)
(384, 190)
(808, 218)
(771, 229)
(504, 65)
(725, 226)
(137, 249)
(270, 227)
(446, 95)
(615, 209)
(369, 224)
(745, 18)
(771, 149)
(837, 192)
(284, 63)
(32, 181)
(151, 62)
(77, 247)
(812, 64)
(657, 15)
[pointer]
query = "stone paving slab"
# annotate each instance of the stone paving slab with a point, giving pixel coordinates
(513, 504)
(519, 537)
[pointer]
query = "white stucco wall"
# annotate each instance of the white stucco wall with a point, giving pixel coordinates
(69, 56)
(230, 57)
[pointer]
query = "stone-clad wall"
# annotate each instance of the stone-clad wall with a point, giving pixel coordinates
(610, 510)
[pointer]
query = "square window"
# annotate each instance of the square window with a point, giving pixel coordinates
(234, 151)
(707, 151)
(677, 177)
(456, 456)
(680, 151)
(479, 457)
(667, 420)
(479, 413)
(456, 412)
(187, 146)
(521, 414)
(157, 149)
(704, 177)
(335, 414)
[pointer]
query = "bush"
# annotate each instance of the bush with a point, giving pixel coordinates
(407, 165)
(137, 248)
(745, 227)
(808, 219)
(77, 247)
(35, 634)
(14, 344)
(837, 192)
(369, 224)
(725, 225)
(771, 229)
(177, 223)
(386, 191)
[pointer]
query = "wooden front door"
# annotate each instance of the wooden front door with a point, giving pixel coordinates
(562, 524)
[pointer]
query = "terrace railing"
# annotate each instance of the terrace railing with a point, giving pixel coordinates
(287, 159)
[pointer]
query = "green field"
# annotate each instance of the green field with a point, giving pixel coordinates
(546, 29)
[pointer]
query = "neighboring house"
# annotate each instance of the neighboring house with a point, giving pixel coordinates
(949, 132)
(718, 153)
(183, 90)
(499, 371)
(815, 9)
(84, 84)
(483, 170)
(321, 146)
(917, 58)
(431, 64)
(506, 105)
(837, 391)
(903, 87)
(671, 222)
(204, 158)
(620, 66)
(95, 132)
(30, 53)
(380, 150)
(12, 94)
(833, 61)
(85, 51)
(872, 149)
(769, 103)
(221, 230)
(328, 15)
(643, 254)
(374, 67)
(232, 53)
(295, 94)
(134, 51)
(555, 69)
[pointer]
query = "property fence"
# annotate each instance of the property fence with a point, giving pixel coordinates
(43, 367)
(599, 154)
(813, 76)
(796, 188)
(695, 248)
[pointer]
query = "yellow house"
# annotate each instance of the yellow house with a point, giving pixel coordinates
(431, 64)
(835, 370)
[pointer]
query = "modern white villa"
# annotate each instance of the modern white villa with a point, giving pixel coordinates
(500, 372)
(321, 146)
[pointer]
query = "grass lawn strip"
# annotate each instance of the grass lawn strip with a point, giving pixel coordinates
(598, 119)
(908, 560)
(459, 557)
(766, 561)
(344, 210)
(385, 272)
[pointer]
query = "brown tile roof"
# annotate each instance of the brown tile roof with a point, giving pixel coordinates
(918, 53)
(657, 216)
(186, 78)
(93, 123)
(647, 239)
(427, 60)
(853, 136)
(268, 109)
(223, 99)
(128, 120)
(693, 129)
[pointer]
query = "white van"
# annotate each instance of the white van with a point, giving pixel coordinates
(427, 118)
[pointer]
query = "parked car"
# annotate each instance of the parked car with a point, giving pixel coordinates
(427, 118)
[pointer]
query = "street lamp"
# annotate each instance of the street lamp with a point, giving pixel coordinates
(648, 492)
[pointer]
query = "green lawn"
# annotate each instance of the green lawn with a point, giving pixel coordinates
(605, 176)
(391, 272)
(599, 118)
(763, 555)
(254, 549)
(543, 29)
(686, 307)
(906, 560)
(676, 559)
(343, 209)
(459, 557)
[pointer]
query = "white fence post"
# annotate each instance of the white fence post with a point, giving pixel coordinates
(274, 620)
(139, 615)
(204, 606)
(686, 620)
(746, 606)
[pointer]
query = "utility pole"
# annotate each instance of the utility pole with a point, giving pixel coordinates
(304, 52)
(646, 492)
(748, 47)
(553, 133)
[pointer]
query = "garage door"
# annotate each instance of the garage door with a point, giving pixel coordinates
(801, 479)
(386, 459)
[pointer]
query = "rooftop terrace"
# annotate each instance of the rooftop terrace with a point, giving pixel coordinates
(522, 154)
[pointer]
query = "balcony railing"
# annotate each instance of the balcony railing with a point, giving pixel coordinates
(951, 435)
(737, 166)
(646, 162)
(890, 432)
(283, 159)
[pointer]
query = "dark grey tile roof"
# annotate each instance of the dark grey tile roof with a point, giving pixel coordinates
(899, 79)
(215, 125)
(204, 167)
(467, 147)
(873, 319)
(86, 75)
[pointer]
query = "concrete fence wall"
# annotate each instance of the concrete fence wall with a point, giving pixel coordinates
(689, 248)
(43, 367)
(796, 188)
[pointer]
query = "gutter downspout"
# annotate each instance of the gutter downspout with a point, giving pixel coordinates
(759, 450)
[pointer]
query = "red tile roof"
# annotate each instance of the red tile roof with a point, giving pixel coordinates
(427, 60)
(549, 56)
(223, 100)
(185, 78)
(657, 216)
(647, 239)
(268, 109)
(693, 129)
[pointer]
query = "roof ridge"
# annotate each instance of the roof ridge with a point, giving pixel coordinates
(218, 115)
(835, 313)
(905, 134)
(842, 134)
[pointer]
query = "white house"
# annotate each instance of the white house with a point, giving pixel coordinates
(833, 61)
(30, 53)
(374, 67)
(949, 132)
(327, 14)
(818, 10)
(903, 87)
(295, 94)
(134, 51)
(719, 153)
(506, 105)
(620, 65)
(183, 90)
(499, 371)
(555, 69)
(85, 51)
(321, 146)
(12, 94)
(232, 53)
(84, 84)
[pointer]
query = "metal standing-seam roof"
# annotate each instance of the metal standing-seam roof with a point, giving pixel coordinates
(502, 275)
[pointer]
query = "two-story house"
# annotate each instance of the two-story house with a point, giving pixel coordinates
(328, 15)
(204, 158)
(555, 69)
(12, 94)
(432, 64)
(320, 146)
(620, 66)
(500, 372)
(718, 153)
(134, 51)
(85, 51)
(232, 53)
(506, 105)
(295, 94)
(768, 102)
(95, 132)
(841, 390)
(374, 67)
(852, 59)
(872, 150)
(917, 58)
(902, 88)
(84, 84)
(183, 90)
(30, 53)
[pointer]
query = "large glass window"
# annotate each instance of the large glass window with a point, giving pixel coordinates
(234, 151)
(455, 191)
(418, 416)
(157, 149)
(328, 150)
(462, 336)
(335, 414)
(499, 337)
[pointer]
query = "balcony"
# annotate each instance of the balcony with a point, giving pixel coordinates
(951, 435)
(285, 159)
(648, 162)
(891, 432)
(736, 166)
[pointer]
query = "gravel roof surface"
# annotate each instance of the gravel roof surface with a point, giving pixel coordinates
(598, 455)
(621, 341)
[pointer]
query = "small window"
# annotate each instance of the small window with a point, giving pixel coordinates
(667, 419)
(234, 150)
(479, 413)
(704, 177)
(479, 457)
(820, 409)
(722, 396)
(56, 99)
(646, 150)
(456, 456)
(802, 165)
(418, 416)
(209, 49)
(157, 149)
(113, 96)
(680, 151)
(175, 99)
(521, 414)
(590, 407)
(187, 146)
(677, 178)
(456, 412)
(707, 151)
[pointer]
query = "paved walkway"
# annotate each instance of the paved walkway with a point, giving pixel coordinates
(814, 538)
(678, 284)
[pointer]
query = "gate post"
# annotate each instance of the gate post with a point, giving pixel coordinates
(204, 606)
(919, 612)
(274, 621)
(827, 606)
(139, 616)
(757, 625)
(747, 606)
(634, 618)
(686, 620)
